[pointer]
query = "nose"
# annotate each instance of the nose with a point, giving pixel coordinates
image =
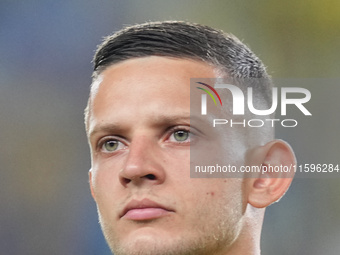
(143, 165)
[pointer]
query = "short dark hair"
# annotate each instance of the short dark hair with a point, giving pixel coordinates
(181, 40)
(178, 39)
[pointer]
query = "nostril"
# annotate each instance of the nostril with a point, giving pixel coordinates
(150, 176)
(126, 180)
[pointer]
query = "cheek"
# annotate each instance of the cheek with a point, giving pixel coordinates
(213, 207)
(220, 194)
(103, 184)
(105, 195)
(211, 193)
(176, 164)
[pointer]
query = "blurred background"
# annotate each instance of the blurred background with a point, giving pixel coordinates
(46, 49)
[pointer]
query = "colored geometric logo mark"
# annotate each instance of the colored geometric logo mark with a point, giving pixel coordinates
(209, 93)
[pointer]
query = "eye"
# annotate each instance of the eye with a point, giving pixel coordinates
(180, 136)
(111, 145)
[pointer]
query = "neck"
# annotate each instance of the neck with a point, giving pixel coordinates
(248, 241)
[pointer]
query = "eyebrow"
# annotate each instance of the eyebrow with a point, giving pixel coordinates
(105, 128)
(172, 119)
(155, 121)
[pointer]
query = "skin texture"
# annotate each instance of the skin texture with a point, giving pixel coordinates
(140, 107)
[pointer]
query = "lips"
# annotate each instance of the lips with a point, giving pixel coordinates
(144, 210)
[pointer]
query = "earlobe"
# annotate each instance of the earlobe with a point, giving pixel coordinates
(91, 185)
(277, 172)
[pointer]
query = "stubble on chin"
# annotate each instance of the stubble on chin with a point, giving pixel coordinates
(152, 246)
(198, 241)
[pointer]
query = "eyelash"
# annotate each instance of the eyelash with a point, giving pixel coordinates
(171, 132)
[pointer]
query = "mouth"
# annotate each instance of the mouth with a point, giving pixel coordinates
(139, 210)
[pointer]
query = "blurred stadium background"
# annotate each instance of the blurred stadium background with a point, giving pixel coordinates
(45, 53)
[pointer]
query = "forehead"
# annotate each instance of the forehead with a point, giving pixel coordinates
(141, 86)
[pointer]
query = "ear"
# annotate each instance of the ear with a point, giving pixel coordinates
(277, 172)
(91, 185)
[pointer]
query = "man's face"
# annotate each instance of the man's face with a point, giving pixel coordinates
(140, 135)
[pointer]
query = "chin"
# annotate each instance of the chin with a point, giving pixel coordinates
(145, 245)
(153, 242)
